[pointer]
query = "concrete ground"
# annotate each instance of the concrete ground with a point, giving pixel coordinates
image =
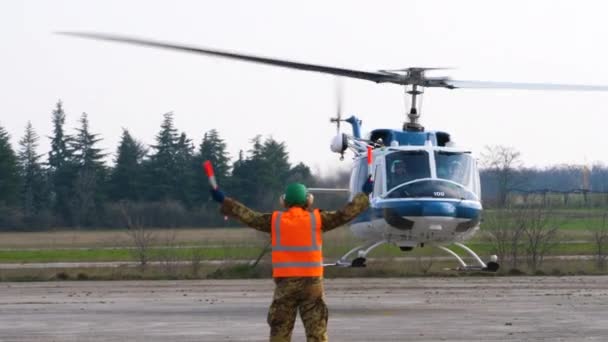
(405, 309)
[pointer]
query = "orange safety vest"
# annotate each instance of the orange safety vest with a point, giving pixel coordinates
(297, 243)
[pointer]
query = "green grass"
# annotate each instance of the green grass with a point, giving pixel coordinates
(593, 223)
(567, 219)
(243, 252)
(576, 228)
(124, 254)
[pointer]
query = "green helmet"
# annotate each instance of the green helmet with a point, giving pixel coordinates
(295, 194)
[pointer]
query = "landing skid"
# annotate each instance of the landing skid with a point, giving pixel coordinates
(491, 266)
(362, 251)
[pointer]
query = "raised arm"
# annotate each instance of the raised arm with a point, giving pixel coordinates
(234, 208)
(334, 219)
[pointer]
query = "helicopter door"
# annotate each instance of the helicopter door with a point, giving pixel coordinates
(358, 176)
(378, 179)
(378, 191)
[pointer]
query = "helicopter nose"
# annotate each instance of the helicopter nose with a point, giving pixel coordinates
(432, 208)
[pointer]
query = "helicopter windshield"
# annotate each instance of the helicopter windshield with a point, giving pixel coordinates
(454, 166)
(457, 178)
(405, 166)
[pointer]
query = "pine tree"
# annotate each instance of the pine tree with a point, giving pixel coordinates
(275, 156)
(274, 171)
(244, 179)
(33, 186)
(256, 148)
(237, 177)
(126, 180)
(61, 169)
(90, 173)
(301, 174)
(212, 148)
(59, 154)
(9, 171)
(161, 167)
(184, 189)
(261, 178)
(84, 152)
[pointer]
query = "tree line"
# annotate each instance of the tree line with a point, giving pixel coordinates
(162, 184)
(505, 180)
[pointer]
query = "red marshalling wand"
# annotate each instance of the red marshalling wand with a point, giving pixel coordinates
(209, 171)
(369, 161)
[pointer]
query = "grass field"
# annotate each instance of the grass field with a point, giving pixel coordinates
(119, 238)
(576, 229)
(242, 252)
(215, 244)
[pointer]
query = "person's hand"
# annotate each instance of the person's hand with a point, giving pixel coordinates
(368, 186)
(217, 195)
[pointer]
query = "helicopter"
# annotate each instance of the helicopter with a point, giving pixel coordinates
(426, 188)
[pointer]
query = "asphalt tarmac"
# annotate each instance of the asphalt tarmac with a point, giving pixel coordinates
(404, 309)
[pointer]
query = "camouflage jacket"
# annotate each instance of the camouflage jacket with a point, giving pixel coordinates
(262, 221)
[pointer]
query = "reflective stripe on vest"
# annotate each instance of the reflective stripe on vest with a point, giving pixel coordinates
(313, 234)
(297, 264)
(292, 253)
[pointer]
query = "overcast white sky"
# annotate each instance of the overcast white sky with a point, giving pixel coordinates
(126, 86)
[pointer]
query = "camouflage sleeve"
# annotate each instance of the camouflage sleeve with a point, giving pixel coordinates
(253, 219)
(335, 219)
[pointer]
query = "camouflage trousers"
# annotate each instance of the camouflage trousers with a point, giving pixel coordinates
(303, 294)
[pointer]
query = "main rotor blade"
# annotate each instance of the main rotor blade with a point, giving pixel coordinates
(377, 77)
(525, 86)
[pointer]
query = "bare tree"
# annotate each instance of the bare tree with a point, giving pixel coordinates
(425, 263)
(195, 262)
(503, 162)
(600, 237)
(167, 253)
(264, 242)
(141, 238)
(506, 230)
(540, 234)
(263, 252)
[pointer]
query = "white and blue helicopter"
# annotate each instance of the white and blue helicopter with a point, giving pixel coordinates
(426, 191)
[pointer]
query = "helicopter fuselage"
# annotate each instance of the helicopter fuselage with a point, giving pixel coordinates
(426, 191)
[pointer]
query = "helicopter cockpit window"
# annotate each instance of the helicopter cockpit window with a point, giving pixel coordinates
(454, 166)
(405, 166)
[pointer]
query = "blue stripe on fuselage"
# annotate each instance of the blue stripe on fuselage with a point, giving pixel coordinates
(418, 208)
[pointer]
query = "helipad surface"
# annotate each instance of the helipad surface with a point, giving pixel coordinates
(404, 309)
